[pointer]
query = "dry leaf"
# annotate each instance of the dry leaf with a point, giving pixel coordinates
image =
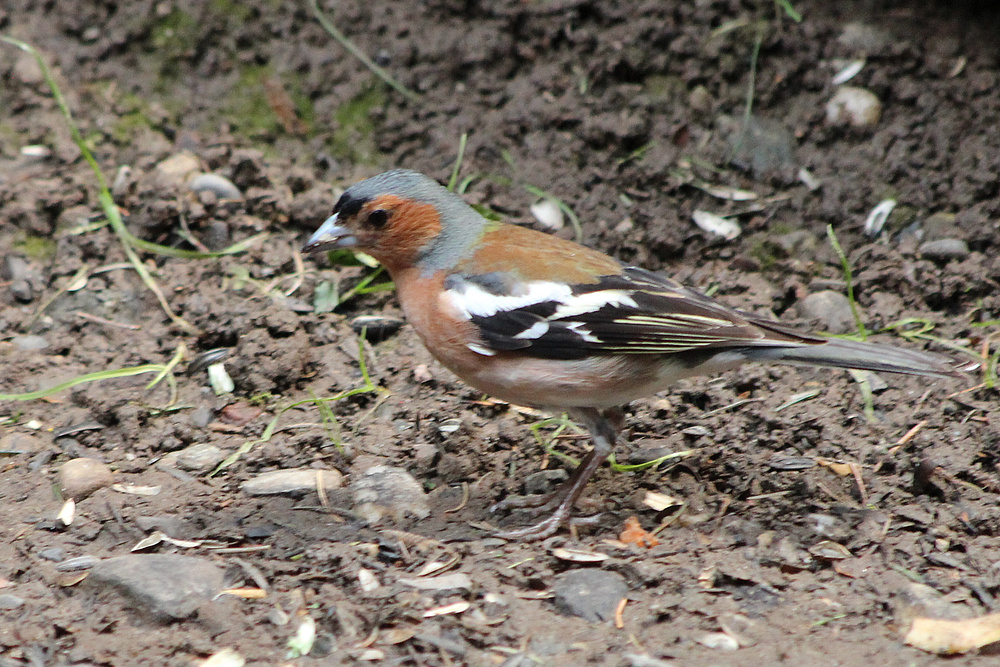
(660, 501)
(637, 535)
(936, 635)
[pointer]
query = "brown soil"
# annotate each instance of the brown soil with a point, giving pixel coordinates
(612, 107)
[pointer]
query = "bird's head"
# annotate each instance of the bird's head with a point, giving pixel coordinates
(403, 219)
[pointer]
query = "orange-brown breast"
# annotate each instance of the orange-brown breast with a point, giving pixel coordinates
(441, 329)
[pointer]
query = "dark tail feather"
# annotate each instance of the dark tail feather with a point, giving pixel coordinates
(842, 353)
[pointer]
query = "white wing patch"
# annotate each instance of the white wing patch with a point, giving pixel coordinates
(471, 300)
(537, 330)
(591, 302)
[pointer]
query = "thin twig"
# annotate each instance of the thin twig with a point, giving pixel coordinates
(359, 54)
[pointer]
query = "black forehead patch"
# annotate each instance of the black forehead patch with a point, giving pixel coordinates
(349, 204)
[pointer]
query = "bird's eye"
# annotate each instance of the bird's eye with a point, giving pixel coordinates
(378, 218)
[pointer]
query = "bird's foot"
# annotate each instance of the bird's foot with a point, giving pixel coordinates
(548, 526)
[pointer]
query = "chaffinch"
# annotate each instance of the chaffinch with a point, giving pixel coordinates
(536, 320)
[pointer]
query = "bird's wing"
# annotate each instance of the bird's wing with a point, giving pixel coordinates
(631, 312)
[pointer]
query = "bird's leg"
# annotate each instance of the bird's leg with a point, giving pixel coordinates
(561, 502)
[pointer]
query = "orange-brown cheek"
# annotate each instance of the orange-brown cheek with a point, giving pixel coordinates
(411, 227)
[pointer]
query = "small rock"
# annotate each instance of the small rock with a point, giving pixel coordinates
(422, 374)
(20, 443)
(298, 480)
(718, 640)
(10, 601)
(201, 416)
(29, 343)
(700, 100)
(913, 600)
(78, 564)
(174, 526)
(831, 309)
(590, 594)
(78, 478)
(543, 481)
(200, 457)
(944, 249)
(388, 491)
(939, 226)
(864, 37)
(179, 166)
(54, 554)
(165, 586)
(376, 327)
(765, 146)
(220, 186)
(854, 106)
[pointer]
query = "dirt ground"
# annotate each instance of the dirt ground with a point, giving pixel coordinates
(804, 529)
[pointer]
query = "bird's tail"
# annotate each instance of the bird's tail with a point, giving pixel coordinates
(842, 353)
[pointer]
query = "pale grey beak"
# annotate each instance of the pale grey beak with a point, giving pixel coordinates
(330, 236)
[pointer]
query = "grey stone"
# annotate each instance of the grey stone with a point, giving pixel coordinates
(29, 343)
(20, 443)
(200, 457)
(590, 594)
(78, 478)
(388, 491)
(164, 586)
(220, 186)
(298, 480)
(944, 249)
(544, 481)
(10, 601)
(54, 554)
(174, 526)
(831, 309)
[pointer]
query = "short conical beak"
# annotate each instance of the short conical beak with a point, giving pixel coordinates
(330, 236)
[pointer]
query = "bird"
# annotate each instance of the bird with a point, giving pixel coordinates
(539, 321)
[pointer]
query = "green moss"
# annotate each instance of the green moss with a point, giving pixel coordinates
(239, 13)
(247, 108)
(175, 35)
(662, 88)
(765, 252)
(354, 133)
(36, 247)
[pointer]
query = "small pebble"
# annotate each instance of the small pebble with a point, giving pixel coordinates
(300, 480)
(20, 443)
(29, 343)
(174, 526)
(200, 457)
(718, 640)
(54, 554)
(10, 601)
(376, 327)
(854, 106)
(544, 481)
(165, 586)
(179, 166)
(831, 309)
(78, 564)
(590, 594)
(201, 416)
(78, 478)
(388, 491)
(765, 146)
(944, 249)
(220, 186)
